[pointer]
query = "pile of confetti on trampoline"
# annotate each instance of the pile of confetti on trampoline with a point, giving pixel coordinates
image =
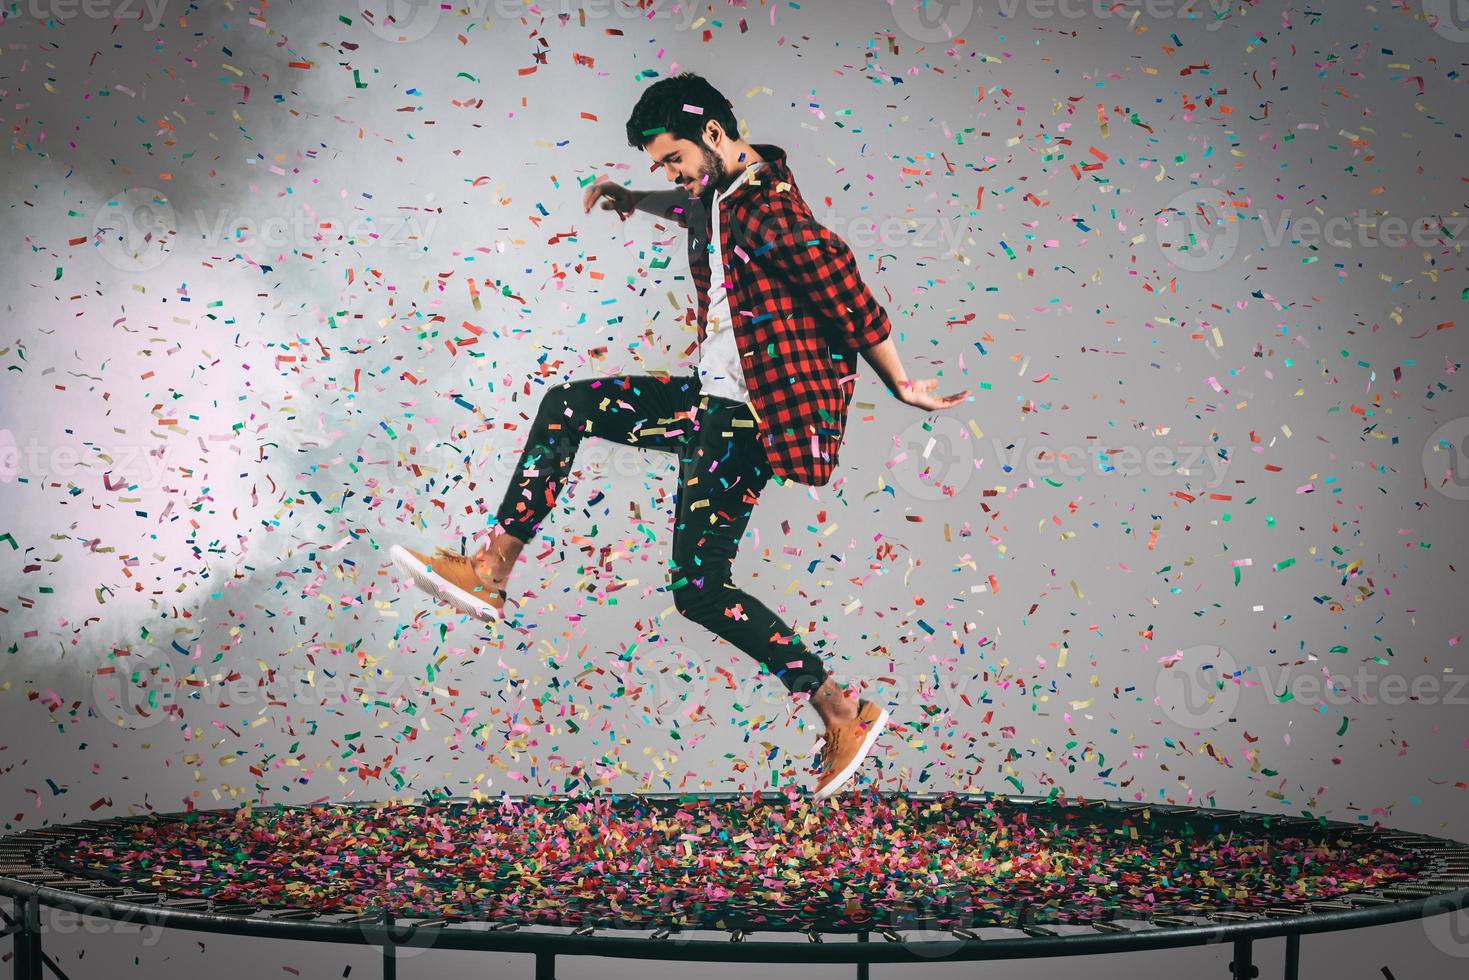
(747, 863)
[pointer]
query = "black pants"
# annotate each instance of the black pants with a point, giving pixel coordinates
(722, 469)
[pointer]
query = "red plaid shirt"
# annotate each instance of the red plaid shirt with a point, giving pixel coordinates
(799, 310)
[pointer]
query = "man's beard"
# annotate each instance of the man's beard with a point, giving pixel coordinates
(712, 168)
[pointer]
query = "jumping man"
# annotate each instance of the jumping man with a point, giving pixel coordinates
(783, 316)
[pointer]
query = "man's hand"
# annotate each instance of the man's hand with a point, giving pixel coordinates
(889, 367)
(614, 197)
(919, 395)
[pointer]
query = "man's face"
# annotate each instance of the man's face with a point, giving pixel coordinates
(692, 166)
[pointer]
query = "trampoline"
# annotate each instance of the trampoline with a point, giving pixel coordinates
(766, 877)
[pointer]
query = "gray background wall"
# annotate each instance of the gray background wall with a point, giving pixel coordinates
(1210, 301)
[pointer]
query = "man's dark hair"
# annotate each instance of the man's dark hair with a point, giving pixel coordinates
(661, 108)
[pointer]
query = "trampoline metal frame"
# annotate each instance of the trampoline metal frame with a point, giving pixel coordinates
(32, 885)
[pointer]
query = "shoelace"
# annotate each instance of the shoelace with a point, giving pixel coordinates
(829, 750)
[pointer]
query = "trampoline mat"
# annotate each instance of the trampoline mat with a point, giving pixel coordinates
(771, 862)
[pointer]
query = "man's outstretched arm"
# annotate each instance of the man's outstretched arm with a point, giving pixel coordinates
(889, 367)
(670, 204)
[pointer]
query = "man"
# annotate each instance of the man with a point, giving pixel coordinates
(782, 316)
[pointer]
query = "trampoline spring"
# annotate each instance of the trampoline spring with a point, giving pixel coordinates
(1363, 898)
(889, 935)
(504, 926)
(1171, 920)
(588, 930)
(187, 904)
(1037, 931)
(1328, 907)
(33, 877)
(1227, 916)
(965, 934)
(292, 915)
(1407, 891)
(1282, 911)
(358, 920)
(662, 932)
(737, 936)
(812, 935)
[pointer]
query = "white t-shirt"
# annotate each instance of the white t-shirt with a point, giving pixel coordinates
(720, 372)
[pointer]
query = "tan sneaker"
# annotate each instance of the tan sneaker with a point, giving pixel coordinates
(847, 745)
(452, 578)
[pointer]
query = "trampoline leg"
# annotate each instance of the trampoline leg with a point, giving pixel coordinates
(1243, 966)
(28, 939)
(863, 969)
(390, 949)
(1292, 956)
(545, 966)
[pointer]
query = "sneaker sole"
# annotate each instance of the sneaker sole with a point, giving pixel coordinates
(440, 588)
(867, 742)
